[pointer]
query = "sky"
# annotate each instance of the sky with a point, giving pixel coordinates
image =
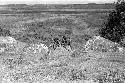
(3, 2)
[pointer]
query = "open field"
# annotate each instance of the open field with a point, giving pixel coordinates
(29, 62)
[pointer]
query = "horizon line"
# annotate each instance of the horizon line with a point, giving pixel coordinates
(54, 3)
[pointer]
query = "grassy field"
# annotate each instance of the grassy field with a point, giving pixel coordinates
(40, 24)
(21, 20)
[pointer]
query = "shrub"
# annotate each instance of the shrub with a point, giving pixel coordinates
(114, 28)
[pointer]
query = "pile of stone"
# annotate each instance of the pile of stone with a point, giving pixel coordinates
(12, 44)
(99, 44)
(32, 50)
(7, 44)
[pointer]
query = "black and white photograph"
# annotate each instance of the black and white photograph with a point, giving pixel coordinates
(62, 41)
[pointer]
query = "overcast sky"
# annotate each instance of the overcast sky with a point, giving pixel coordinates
(54, 1)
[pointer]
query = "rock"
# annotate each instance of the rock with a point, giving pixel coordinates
(37, 48)
(35, 52)
(59, 51)
(89, 81)
(99, 44)
(6, 43)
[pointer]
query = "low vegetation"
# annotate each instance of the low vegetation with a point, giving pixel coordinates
(114, 28)
(65, 35)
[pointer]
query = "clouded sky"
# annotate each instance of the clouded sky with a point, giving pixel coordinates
(54, 1)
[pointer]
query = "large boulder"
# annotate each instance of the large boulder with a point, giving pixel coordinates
(100, 44)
